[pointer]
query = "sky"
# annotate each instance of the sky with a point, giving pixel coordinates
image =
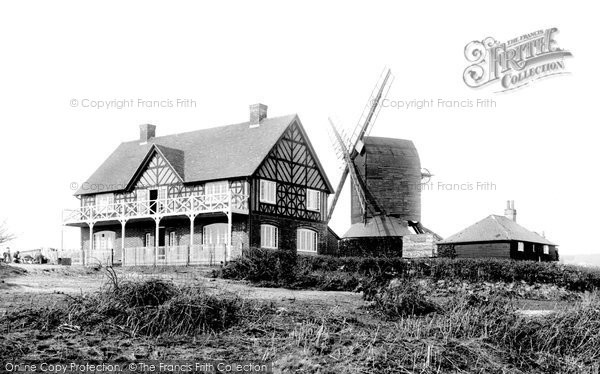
(535, 145)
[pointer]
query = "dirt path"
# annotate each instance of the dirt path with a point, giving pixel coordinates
(41, 284)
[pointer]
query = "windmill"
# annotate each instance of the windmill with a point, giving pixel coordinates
(385, 176)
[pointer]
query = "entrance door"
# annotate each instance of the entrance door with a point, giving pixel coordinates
(104, 242)
(153, 196)
(162, 251)
(161, 236)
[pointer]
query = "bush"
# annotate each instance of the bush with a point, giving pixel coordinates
(398, 299)
(268, 267)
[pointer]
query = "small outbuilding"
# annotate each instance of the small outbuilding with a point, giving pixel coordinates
(499, 237)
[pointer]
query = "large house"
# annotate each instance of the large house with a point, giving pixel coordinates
(202, 197)
(499, 237)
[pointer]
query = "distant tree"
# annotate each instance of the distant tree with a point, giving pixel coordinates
(5, 234)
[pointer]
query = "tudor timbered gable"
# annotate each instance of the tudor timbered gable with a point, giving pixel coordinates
(292, 166)
(158, 173)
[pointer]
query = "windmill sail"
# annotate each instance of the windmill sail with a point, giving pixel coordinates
(351, 168)
(364, 125)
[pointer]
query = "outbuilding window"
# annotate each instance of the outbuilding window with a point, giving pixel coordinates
(269, 236)
(546, 249)
(521, 247)
(306, 240)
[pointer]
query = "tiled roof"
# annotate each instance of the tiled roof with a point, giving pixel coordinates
(496, 228)
(209, 154)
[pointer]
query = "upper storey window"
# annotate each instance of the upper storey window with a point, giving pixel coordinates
(268, 191)
(313, 200)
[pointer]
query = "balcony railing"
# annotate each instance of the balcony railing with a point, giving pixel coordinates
(225, 202)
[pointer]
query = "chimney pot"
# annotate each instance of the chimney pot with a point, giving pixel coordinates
(510, 212)
(147, 132)
(258, 112)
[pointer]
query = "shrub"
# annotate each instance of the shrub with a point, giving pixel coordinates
(269, 267)
(398, 299)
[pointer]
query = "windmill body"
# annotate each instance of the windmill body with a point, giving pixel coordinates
(391, 173)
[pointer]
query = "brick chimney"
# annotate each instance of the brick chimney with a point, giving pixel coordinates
(510, 212)
(147, 132)
(258, 112)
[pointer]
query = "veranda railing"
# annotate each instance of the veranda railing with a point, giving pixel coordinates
(234, 202)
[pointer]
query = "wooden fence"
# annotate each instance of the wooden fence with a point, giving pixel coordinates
(209, 254)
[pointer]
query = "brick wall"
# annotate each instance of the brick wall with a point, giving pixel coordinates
(380, 246)
(287, 231)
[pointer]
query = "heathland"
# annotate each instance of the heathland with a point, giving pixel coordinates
(313, 314)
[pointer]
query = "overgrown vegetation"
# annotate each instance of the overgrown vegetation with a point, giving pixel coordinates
(152, 307)
(398, 299)
(283, 269)
(398, 330)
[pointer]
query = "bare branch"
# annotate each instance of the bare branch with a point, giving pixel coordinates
(5, 235)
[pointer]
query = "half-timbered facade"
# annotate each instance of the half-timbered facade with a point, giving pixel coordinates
(202, 197)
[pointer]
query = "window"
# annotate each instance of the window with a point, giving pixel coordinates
(269, 236)
(521, 247)
(313, 200)
(148, 240)
(172, 242)
(142, 195)
(546, 249)
(162, 193)
(216, 188)
(105, 199)
(214, 234)
(306, 240)
(268, 190)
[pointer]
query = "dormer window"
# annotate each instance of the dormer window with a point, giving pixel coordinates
(268, 191)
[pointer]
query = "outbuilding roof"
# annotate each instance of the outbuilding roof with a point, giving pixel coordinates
(496, 228)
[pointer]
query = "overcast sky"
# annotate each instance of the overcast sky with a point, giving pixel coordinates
(537, 146)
